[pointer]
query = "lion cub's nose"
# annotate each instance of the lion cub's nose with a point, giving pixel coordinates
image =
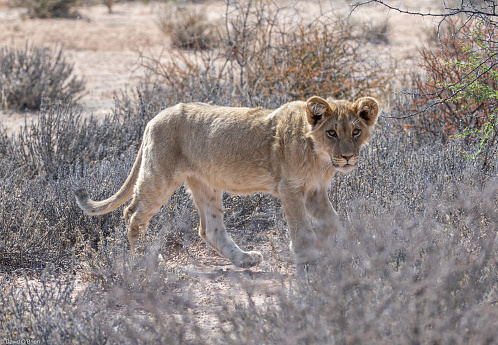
(347, 157)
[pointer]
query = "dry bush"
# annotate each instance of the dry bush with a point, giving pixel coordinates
(62, 138)
(33, 74)
(270, 55)
(38, 310)
(51, 8)
(108, 4)
(459, 77)
(42, 161)
(313, 59)
(188, 26)
(411, 281)
(376, 32)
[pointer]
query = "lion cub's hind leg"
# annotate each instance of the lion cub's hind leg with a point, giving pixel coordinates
(150, 194)
(209, 203)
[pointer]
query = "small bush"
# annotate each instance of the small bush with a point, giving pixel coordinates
(188, 27)
(30, 75)
(461, 80)
(108, 4)
(376, 32)
(43, 160)
(50, 8)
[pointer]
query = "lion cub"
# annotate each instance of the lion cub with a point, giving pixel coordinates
(291, 152)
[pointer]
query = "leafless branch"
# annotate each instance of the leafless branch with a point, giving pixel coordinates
(449, 87)
(486, 12)
(466, 8)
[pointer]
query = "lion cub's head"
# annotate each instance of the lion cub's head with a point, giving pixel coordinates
(340, 128)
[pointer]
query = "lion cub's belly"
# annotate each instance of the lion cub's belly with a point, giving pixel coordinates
(237, 180)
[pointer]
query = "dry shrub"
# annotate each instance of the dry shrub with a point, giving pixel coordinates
(188, 26)
(39, 221)
(271, 55)
(33, 74)
(376, 32)
(51, 8)
(415, 281)
(311, 60)
(459, 76)
(108, 4)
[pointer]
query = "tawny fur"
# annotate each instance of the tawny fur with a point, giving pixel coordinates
(291, 152)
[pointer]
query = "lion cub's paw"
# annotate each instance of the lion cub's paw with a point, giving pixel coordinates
(307, 271)
(249, 259)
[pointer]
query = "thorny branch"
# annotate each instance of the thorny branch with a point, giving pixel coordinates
(448, 88)
(466, 8)
(486, 12)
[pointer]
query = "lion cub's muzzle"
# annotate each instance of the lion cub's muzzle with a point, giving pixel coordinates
(345, 163)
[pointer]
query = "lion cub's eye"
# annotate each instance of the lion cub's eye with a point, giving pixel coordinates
(332, 134)
(356, 132)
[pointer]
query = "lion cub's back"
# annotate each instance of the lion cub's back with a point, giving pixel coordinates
(231, 143)
(202, 126)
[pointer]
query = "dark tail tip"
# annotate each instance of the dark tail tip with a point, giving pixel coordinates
(81, 194)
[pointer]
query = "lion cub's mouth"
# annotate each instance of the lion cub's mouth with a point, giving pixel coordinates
(343, 165)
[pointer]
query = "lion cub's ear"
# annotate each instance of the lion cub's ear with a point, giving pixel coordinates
(367, 108)
(317, 109)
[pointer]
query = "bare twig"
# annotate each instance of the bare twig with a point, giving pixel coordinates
(486, 13)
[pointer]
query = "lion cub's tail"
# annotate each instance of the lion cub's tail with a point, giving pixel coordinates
(94, 208)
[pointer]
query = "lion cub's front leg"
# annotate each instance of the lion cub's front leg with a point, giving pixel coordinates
(304, 239)
(212, 230)
(326, 219)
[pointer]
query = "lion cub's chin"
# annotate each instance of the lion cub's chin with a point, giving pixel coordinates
(345, 169)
